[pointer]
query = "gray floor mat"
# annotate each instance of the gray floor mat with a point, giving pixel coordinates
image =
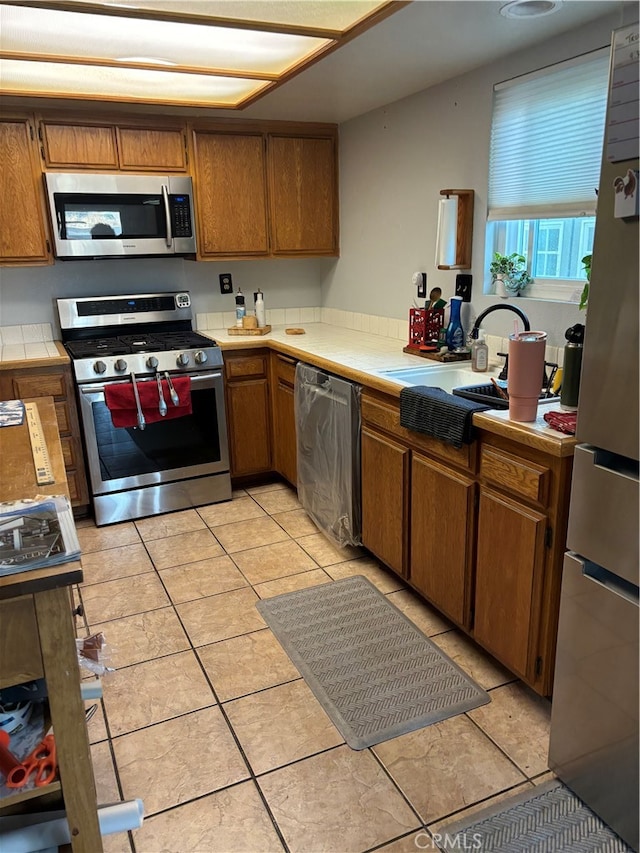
(548, 819)
(376, 675)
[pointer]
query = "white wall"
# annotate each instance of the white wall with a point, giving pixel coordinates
(28, 294)
(393, 163)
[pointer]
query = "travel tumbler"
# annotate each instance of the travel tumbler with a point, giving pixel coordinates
(526, 372)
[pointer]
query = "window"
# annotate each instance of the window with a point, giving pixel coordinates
(546, 150)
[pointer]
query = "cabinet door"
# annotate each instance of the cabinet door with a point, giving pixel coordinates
(284, 420)
(56, 382)
(385, 477)
(442, 530)
(510, 556)
(22, 229)
(146, 149)
(303, 195)
(72, 146)
(230, 190)
(249, 428)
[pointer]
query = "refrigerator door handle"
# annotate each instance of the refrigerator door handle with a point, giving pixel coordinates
(616, 463)
(606, 579)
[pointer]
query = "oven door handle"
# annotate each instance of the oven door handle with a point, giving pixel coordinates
(92, 388)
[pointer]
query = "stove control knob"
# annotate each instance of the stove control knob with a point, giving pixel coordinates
(182, 360)
(99, 367)
(200, 357)
(120, 365)
(152, 362)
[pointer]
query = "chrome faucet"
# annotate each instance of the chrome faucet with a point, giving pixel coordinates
(491, 309)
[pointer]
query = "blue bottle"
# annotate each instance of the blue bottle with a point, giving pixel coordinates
(455, 332)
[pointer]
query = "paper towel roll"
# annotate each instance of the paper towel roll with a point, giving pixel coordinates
(19, 834)
(446, 237)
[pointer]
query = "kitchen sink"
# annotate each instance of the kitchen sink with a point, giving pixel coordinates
(445, 376)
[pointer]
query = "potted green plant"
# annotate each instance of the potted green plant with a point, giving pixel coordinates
(509, 272)
(584, 296)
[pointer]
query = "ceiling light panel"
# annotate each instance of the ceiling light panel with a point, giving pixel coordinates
(87, 37)
(50, 79)
(334, 15)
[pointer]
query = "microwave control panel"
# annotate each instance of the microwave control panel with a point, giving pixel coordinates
(180, 216)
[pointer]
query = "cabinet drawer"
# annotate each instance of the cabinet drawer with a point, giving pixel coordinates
(286, 369)
(250, 366)
(20, 658)
(515, 474)
(40, 385)
(386, 416)
(73, 485)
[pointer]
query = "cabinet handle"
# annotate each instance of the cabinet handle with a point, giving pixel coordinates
(78, 611)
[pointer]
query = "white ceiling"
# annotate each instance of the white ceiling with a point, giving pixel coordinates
(423, 44)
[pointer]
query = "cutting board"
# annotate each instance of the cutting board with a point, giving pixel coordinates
(236, 331)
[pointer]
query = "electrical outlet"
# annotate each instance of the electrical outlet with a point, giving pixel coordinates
(463, 286)
(226, 285)
(420, 281)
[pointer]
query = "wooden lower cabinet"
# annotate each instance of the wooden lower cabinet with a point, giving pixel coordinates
(56, 382)
(511, 556)
(248, 412)
(385, 468)
(479, 532)
(442, 536)
(285, 448)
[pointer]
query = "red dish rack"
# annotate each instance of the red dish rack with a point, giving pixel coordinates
(424, 327)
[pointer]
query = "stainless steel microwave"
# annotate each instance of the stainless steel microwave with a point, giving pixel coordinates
(106, 216)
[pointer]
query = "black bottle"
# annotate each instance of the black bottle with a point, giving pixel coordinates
(572, 367)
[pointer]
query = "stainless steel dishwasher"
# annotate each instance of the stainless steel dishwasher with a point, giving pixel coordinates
(328, 448)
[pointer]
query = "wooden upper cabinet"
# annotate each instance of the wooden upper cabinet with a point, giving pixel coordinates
(23, 236)
(230, 194)
(303, 195)
(146, 149)
(72, 146)
(112, 147)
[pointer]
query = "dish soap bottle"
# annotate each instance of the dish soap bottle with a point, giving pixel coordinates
(479, 354)
(455, 332)
(241, 309)
(260, 312)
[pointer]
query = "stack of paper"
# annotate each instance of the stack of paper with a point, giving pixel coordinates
(37, 533)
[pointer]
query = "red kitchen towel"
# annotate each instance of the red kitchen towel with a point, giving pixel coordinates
(121, 401)
(562, 421)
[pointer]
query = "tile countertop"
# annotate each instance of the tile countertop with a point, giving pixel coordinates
(358, 356)
(361, 357)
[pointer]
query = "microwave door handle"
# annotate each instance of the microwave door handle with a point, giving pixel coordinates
(167, 215)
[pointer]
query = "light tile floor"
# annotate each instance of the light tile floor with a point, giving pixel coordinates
(209, 723)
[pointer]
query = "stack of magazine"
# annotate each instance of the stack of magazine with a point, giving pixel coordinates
(37, 533)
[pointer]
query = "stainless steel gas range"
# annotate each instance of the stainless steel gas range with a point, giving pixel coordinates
(151, 400)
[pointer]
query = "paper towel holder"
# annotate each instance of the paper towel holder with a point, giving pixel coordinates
(455, 230)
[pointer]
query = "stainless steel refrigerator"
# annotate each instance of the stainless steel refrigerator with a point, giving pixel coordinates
(594, 718)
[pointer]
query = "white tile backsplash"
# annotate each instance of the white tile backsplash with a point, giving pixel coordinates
(292, 316)
(306, 315)
(32, 334)
(12, 335)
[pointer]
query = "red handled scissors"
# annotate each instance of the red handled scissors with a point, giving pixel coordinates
(42, 761)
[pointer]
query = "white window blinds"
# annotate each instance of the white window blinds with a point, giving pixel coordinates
(546, 141)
